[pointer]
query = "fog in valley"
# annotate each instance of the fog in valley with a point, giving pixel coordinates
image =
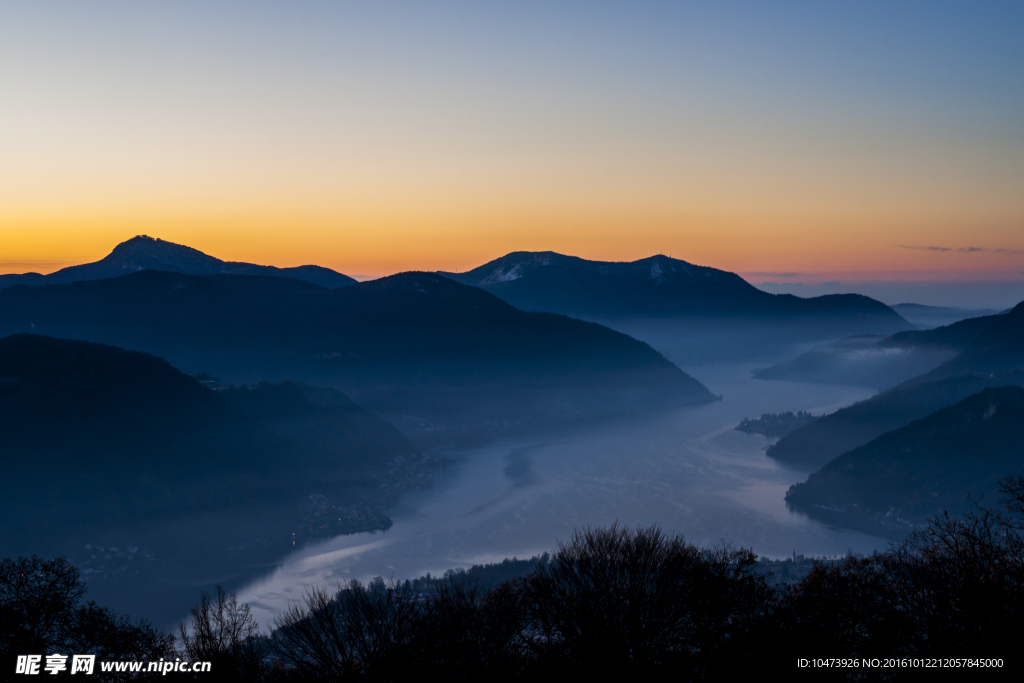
(688, 470)
(517, 493)
(518, 341)
(272, 431)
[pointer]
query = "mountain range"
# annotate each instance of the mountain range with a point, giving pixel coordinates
(920, 447)
(148, 253)
(880, 361)
(814, 445)
(998, 348)
(656, 287)
(413, 344)
(899, 479)
(691, 313)
(934, 316)
(98, 439)
(986, 352)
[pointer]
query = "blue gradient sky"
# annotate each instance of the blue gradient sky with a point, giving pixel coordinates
(829, 140)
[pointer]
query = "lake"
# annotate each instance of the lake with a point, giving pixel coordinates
(687, 470)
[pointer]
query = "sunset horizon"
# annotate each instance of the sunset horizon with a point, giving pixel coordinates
(831, 144)
(965, 287)
(460, 340)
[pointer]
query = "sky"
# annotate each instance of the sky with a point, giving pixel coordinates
(792, 142)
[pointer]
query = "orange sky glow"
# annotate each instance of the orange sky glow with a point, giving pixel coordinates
(375, 142)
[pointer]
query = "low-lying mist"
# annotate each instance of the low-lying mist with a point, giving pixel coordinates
(688, 470)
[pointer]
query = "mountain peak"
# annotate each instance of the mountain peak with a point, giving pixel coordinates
(145, 243)
(518, 263)
(533, 280)
(140, 240)
(657, 286)
(143, 252)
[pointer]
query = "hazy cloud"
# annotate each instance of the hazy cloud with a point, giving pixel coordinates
(964, 250)
(770, 274)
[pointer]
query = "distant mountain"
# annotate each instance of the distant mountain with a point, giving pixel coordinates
(880, 361)
(97, 438)
(954, 337)
(900, 478)
(657, 287)
(863, 360)
(147, 253)
(999, 348)
(934, 316)
(814, 445)
(416, 344)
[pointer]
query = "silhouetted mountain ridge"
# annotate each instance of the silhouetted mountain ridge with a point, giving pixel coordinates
(934, 316)
(97, 436)
(413, 343)
(955, 336)
(998, 348)
(44, 379)
(816, 444)
(992, 355)
(881, 362)
(147, 253)
(658, 286)
(930, 465)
